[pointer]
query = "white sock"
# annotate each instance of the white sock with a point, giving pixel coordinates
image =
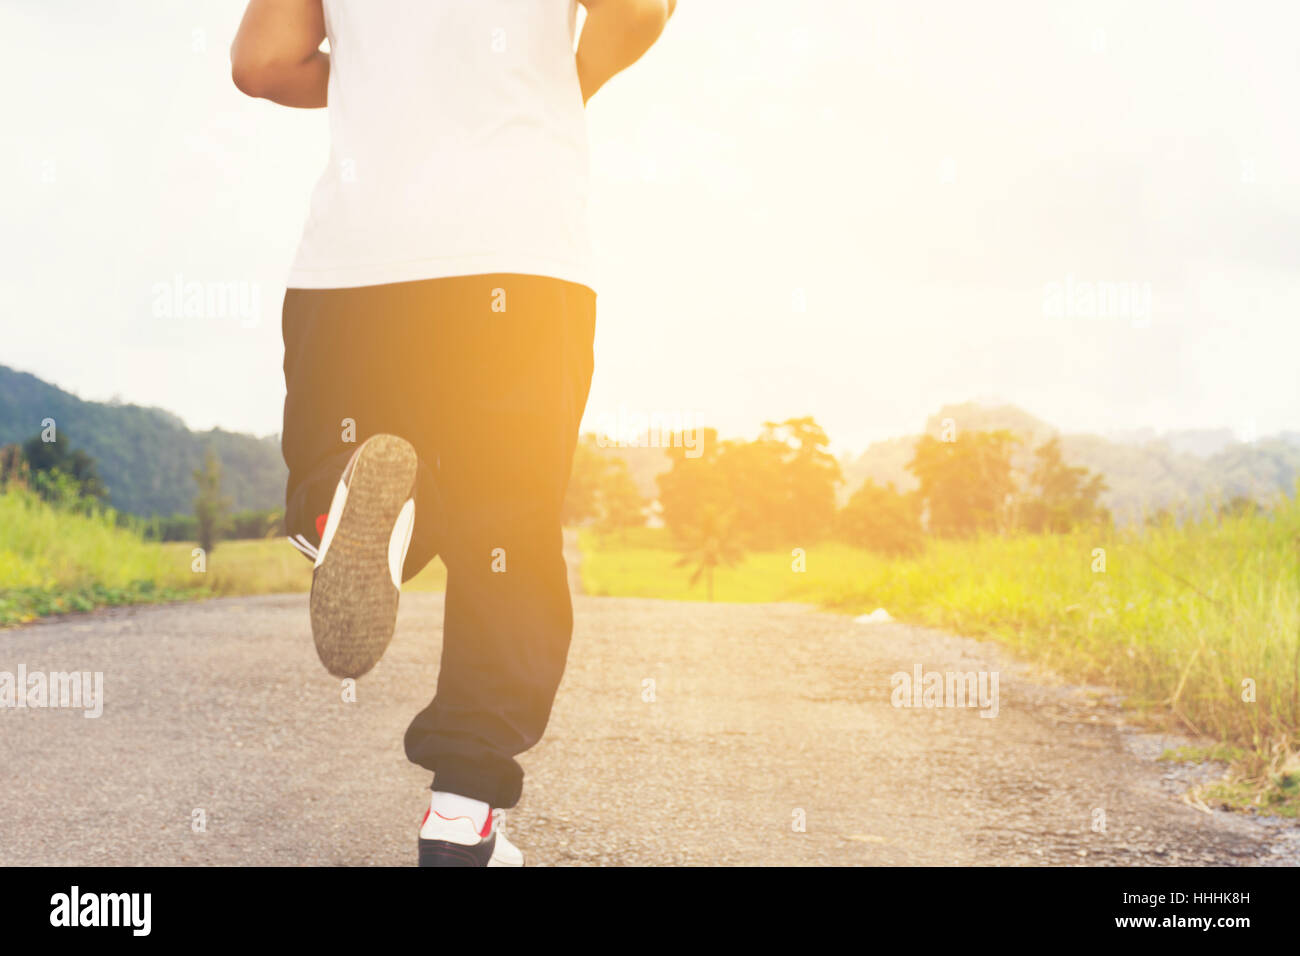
(452, 805)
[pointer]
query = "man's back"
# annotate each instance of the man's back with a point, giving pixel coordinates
(458, 144)
(438, 352)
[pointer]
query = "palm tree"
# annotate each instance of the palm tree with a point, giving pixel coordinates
(710, 545)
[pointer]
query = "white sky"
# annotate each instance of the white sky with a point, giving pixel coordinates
(921, 171)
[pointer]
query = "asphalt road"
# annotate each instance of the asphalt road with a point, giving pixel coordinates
(762, 716)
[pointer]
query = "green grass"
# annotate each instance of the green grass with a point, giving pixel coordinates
(54, 561)
(1181, 619)
(272, 566)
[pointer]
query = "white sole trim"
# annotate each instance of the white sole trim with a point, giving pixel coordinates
(303, 545)
(400, 540)
(332, 523)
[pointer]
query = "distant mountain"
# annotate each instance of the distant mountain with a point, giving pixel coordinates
(146, 456)
(1144, 472)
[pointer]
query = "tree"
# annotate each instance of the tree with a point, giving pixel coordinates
(61, 473)
(601, 489)
(967, 484)
(621, 504)
(810, 475)
(710, 545)
(14, 469)
(209, 505)
(1060, 497)
(882, 520)
(691, 486)
(780, 488)
(582, 498)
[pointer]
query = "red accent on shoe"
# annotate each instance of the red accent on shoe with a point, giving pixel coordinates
(487, 827)
(426, 818)
(320, 525)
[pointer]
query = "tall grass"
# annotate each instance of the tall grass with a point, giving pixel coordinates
(1193, 619)
(1189, 621)
(271, 566)
(54, 559)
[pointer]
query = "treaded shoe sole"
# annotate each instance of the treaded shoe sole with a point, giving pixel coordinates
(353, 597)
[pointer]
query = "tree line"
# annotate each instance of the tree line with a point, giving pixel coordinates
(718, 498)
(778, 491)
(68, 478)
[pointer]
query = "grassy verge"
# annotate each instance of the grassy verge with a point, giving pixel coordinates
(54, 561)
(272, 566)
(1198, 625)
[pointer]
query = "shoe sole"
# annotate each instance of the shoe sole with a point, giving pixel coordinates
(353, 600)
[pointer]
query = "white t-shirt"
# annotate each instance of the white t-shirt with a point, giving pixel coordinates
(458, 145)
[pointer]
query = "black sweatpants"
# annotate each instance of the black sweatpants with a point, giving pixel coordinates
(487, 377)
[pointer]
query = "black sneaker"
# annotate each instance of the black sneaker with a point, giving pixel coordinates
(358, 573)
(456, 842)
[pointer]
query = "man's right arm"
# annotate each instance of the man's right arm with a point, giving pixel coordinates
(277, 55)
(615, 35)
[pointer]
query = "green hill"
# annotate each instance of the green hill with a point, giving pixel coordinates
(146, 456)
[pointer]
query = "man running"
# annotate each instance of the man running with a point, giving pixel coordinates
(438, 327)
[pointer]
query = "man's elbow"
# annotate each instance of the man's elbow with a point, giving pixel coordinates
(652, 14)
(252, 76)
(639, 15)
(246, 77)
